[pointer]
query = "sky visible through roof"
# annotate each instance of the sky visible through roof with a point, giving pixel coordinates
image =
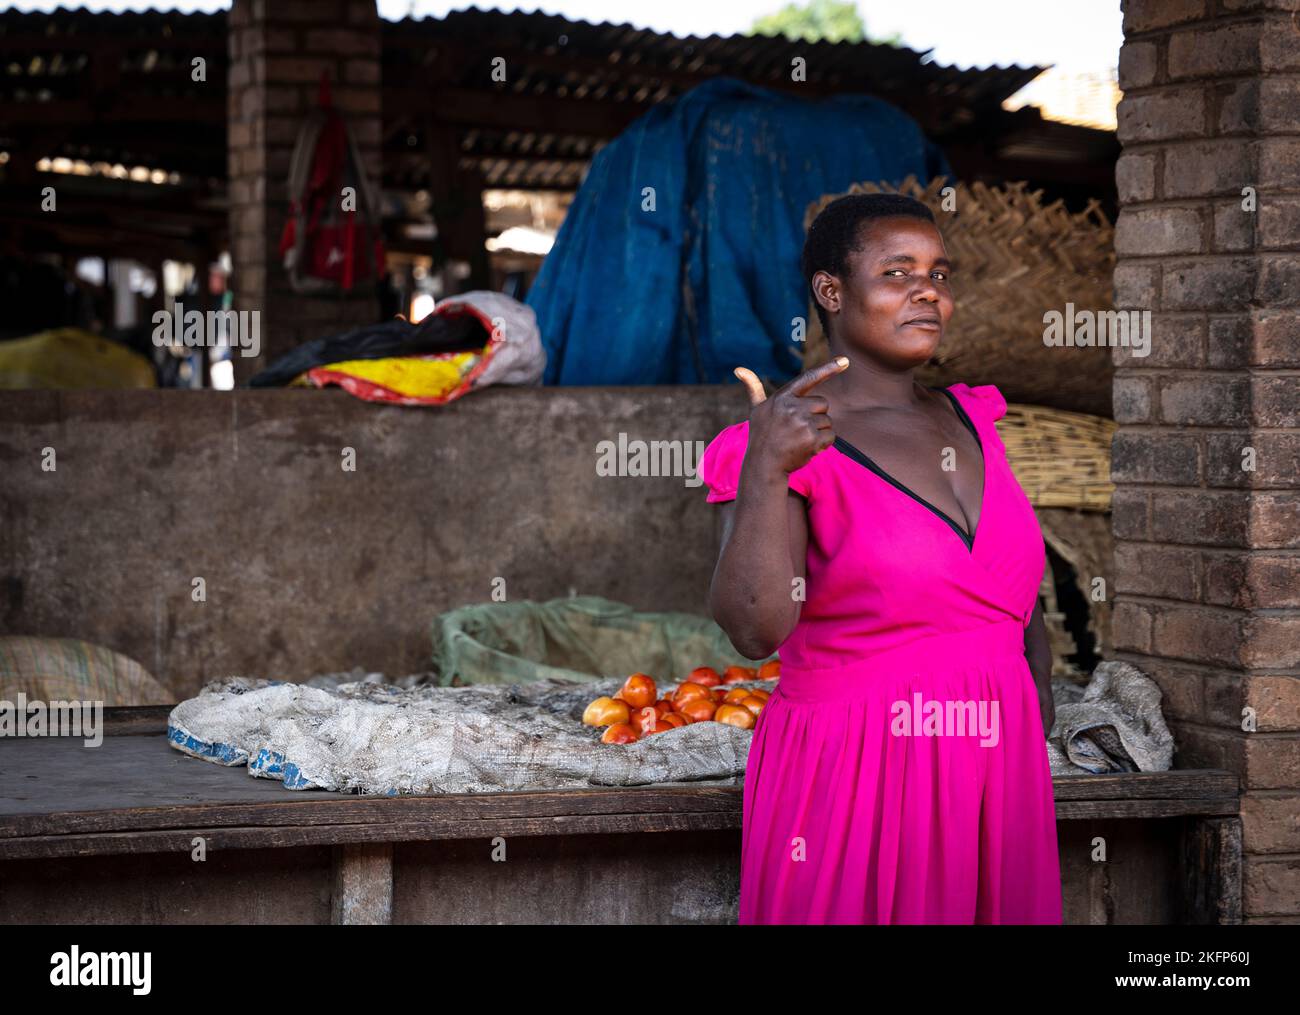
(1078, 36)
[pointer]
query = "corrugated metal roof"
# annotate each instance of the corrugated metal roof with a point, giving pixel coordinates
(598, 76)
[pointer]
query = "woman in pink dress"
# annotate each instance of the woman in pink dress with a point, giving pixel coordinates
(880, 542)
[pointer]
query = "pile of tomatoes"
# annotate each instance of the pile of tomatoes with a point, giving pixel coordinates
(637, 711)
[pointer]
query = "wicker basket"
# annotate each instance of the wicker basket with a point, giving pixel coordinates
(1061, 459)
(1014, 259)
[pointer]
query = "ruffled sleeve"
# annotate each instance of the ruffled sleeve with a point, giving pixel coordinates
(722, 460)
(986, 396)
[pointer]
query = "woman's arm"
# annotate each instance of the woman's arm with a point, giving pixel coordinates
(753, 593)
(1038, 653)
(764, 549)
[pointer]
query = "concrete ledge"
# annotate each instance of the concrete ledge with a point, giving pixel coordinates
(310, 568)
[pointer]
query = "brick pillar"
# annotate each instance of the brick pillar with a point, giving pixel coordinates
(1207, 552)
(277, 52)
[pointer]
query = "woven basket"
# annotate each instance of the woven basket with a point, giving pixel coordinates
(1084, 541)
(1060, 459)
(1014, 259)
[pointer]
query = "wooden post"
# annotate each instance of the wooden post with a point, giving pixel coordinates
(363, 884)
(1212, 870)
(457, 197)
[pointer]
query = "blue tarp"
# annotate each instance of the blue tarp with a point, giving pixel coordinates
(709, 279)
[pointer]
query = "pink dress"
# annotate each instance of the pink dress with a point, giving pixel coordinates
(899, 773)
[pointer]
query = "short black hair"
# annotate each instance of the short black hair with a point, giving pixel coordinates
(834, 234)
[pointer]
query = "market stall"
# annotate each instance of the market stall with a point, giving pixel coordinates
(149, 835)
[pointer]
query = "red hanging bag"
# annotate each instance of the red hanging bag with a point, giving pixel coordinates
(332, 240)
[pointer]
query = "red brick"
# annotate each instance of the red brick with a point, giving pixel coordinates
(1229, 344)
(1198, 634)
(1279, 220)
(1275, 520)
(273, 40)
(1206, 400)
(1234, 228)
(368, 132)
(246, 251)
(1151, 231)
(1130, 627)
(277, 160)
(1280, 103)
(1239, 107)
(292, 69)
(1270, 887)
(1275, 400)
(1279, 163)
(1272, 761)
(362, 72)
(1146, 15)
(1177, 340)
(1276, 701)
(286, 99)
(1161, 115)
(281, 130)
(1182, 691)
(239, 192)
(1279, 281)
(342, 42)
(1206, 517)
(239, 134)
(1208, 169)
(1242, 6)
(1129, 514)
(1202, 52)
(251, 102)
(1131, 399)
(1218, 284)
(1224, 697)
(1135, 177)
(1197, 746)
(1155, 458)
(239, 74)
(1163, 572)
(1137, 65)
(1271, 642)
(1135, 286)
(1252, 580)
(1276, 338)
(1270, 824)
(363, 12)
(1277, 459)
(1277, 46)
(1225, 579)
(253, 281)
(320, 11)
(358, 100)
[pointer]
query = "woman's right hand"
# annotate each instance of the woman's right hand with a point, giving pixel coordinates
(786, 430)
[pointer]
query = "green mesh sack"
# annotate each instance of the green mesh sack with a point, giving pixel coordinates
(578, 638)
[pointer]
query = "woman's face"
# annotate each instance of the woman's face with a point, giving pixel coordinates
(895, 301)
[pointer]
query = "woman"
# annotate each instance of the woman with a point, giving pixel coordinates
(880, 542)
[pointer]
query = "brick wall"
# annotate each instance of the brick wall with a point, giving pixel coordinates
(278, 49)
(1207, 550)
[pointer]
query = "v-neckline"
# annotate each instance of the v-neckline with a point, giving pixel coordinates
(863, 459)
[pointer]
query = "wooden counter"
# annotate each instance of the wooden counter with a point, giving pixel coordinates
(109, 834)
